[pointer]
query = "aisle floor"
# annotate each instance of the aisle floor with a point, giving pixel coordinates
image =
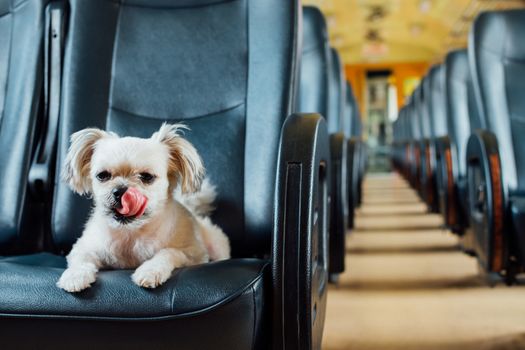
(407, 285)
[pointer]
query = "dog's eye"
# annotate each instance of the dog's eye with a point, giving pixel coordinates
(147, 178)
(103, 176)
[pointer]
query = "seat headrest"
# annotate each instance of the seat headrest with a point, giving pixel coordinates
(315, 33)
(499, 31)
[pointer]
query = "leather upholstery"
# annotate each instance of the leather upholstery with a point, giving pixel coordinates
(117, 77)
(404, 124)
(226, 68)
(336, 109)
(315, 59)
(457, 80)
(415, 115)
(497, 56)
(353, 122)
(114, 296)
(219, 298)
(313, 97)
(21, 71)
(423, 107)
(437, 102)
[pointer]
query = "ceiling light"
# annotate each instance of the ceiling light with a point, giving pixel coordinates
(425, 5)
(416, 29)
(337, 40)
(330, 21)
(374, 50)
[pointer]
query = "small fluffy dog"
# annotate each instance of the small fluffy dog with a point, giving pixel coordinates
(151, 207)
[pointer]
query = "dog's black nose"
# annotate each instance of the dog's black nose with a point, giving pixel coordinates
(118, 192)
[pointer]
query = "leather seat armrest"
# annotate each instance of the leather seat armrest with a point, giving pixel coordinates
(300, 237)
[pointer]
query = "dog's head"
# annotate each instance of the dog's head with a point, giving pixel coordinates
(131, 178)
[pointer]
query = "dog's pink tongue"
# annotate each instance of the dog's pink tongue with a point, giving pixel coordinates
(133, 203)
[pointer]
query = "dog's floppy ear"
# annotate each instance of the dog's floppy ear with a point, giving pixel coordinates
(185, 165)
(78, 159)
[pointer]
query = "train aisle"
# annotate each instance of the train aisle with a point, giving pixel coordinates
(407, 286)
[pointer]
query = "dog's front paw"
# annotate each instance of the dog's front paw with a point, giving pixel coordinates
(76, 279)
(148, 275)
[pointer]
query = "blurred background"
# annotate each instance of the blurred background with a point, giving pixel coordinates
(388, 45)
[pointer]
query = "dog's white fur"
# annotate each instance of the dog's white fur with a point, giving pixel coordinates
(175, 229)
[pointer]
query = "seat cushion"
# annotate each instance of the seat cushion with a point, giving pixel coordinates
(227, 295)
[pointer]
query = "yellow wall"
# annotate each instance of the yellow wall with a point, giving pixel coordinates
(404, 76)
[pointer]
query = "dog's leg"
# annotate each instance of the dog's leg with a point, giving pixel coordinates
(81, 271)
(155, 271)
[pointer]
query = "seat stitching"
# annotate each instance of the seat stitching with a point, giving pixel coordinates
(119, 109)
(312, 48)
(172, 297)
(14, 8)
(201, 311)
(11, 30)
(515, 118)
(254, 315)
(114, 54)
(121, 2)
(500, 54)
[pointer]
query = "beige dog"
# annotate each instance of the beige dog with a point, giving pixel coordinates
(150, 210)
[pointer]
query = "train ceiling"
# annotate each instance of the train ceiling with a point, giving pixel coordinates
(370, 31)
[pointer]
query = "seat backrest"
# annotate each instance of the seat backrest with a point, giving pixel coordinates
(404, 128)
(421, 110)
(457, 81)
(352, 120)
(227, 69)
(497, 58)
(407, 122)
(313, 86)
(414, 120)
(21, 79)
(336, 107)
(438, 115)
(423, 101)
(397, 126)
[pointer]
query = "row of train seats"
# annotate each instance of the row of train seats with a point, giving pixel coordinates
(324, 89)
(253, 89)
(287, 180)
(459, 142)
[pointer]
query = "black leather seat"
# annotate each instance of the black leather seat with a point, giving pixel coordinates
(496, 156)
(352, 129)
(336, 109)
(396, 150)
(463, 119)
(438, 115)
(414, 142)
(227, 69)
(400, 143)
(314, 94)
(315, 62)
(343, 110)
(438, 120)
(405, 142)
(363, 152)
(21, 81)
(357, 132)
(428, 165)
(421, 114)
